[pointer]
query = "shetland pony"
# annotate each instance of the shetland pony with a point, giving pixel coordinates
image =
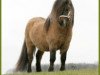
(51, 34)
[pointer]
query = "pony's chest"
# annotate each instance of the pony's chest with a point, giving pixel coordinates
(57, 39)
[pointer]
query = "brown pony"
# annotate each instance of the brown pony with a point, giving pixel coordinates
(51, 34)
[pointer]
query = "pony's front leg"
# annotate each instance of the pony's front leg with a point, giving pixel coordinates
(38, 60)
(52, 60)
(63, 59)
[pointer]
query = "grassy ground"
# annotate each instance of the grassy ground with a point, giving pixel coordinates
(67, 72)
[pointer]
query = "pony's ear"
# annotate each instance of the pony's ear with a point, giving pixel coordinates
(47, 24)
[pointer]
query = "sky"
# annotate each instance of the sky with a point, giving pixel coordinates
(16, 14)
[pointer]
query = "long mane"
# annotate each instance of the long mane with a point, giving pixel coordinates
(60, 7)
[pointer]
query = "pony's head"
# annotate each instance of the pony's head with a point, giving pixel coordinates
(61, 11)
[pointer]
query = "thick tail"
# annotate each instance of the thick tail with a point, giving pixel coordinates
(23, 60)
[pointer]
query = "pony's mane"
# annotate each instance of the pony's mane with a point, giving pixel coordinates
(60, 7)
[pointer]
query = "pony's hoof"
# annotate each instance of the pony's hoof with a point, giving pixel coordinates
(62, 69)
(39, 70)
(29, 70)
(50, 69)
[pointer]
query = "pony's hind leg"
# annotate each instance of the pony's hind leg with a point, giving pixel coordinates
(52, 60)
(63, 59)
(38, 60)
(30, 51)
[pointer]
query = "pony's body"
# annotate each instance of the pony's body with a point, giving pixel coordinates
(51, 34)
(36, 34)
(46, 41)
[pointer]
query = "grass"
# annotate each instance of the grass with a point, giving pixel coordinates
(67, 72)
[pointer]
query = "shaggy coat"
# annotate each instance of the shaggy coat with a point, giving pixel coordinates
(51, 34)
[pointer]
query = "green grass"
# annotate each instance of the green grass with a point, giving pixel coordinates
(67, 72)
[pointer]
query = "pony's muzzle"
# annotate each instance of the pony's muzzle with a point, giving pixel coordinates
(64, 20)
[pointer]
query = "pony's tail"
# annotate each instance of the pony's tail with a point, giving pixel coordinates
(23, 60)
